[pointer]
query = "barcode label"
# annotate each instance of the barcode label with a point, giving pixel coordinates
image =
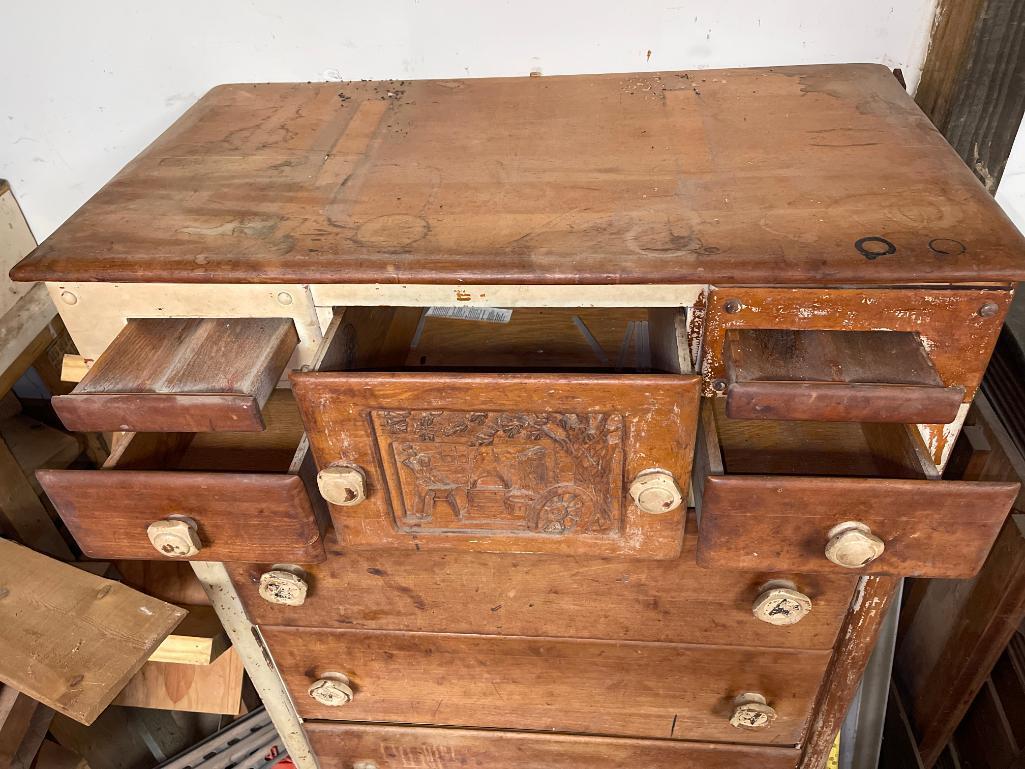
(485, 314)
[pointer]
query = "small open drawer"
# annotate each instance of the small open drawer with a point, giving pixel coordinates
(850, 376)
(590, 459)
(210, 496)
(836, 497)
(182, 375)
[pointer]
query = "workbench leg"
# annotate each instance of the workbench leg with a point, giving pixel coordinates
(258, 662)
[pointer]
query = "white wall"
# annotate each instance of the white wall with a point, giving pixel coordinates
(86, 85)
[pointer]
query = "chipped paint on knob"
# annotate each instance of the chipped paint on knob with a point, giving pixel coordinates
(750, 711)
(283, 587)
(332, 690)
(853, 545)
(344, 485)
(781, 605)
(656, 491)
(175, 537)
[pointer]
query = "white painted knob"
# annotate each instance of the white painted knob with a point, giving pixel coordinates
(781, 605)
(750, 711)
(332, 690)
(853, 545)
(342, 484)
(656, 491)
(175, 537)
(283, 587)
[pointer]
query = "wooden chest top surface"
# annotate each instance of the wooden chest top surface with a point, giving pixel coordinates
(789, 175)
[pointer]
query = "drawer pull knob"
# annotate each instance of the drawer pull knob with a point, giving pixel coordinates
(750, 711)
(853, 545)
(781, 604)
(176, 537)
(656, 491)
(344, 485)
(283, 586)
(332, 690)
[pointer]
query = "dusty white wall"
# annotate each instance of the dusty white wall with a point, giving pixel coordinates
(86, 85)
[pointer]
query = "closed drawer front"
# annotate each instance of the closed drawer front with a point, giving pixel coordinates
(836, 498)
(593, 464)
(628, 689)
(255, 509)
(553, 596)
(345, 746)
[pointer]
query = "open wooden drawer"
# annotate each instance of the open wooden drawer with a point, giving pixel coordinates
(209, 496)
(182, 375)
(836, 497)
(590, 459)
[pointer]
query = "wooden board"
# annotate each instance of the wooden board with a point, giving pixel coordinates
(70, 639)
(674, 177)
(503, 462)
(343, 746)
(556, 596)
(629, 689)
(850, 376)
(241, 516)
(214, 688)
(198, 640)
(182, 375)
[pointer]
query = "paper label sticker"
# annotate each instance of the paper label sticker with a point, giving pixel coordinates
(484, 314)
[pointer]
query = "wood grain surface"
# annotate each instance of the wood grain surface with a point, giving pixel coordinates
(71, 639)
(671, 177)
(850, 376)
(182, 375)
(750, 519)
(547, 595)
(613, 688)
(241, 516)
(503, 462)
(343, 746)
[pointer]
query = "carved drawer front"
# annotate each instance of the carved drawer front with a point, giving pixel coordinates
(182, 375)
(598, 687)
(555, 596)
(212, 496)
(875, 355)
(344, 746)
(836, 498)
(555, 463)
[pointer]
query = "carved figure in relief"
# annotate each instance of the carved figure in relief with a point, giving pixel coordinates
(548, 473)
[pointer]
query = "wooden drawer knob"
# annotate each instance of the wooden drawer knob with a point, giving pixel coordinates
(332, 690)
(750, 711)
(344, 485)
(286, 587)
(656, 491)
(176, 537)
(780, 604)
(853, 545)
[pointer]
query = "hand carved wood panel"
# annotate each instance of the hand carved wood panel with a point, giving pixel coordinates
(504, 462)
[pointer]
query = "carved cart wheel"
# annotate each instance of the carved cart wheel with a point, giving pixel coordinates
(564, 508)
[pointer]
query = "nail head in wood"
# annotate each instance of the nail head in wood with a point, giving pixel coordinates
(988, 310)
(750, 711)
(733, 306)
(342, 485)
(656, 491)
(175, 537)
(332, 690)
(283, 587)
(781, 606)
(853, 545)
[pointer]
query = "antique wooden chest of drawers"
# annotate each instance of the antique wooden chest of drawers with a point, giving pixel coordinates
(568, 422)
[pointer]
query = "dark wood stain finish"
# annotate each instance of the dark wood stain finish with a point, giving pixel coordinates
(636, 178)
(182, 375)
(590, 687)
(343, 746)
